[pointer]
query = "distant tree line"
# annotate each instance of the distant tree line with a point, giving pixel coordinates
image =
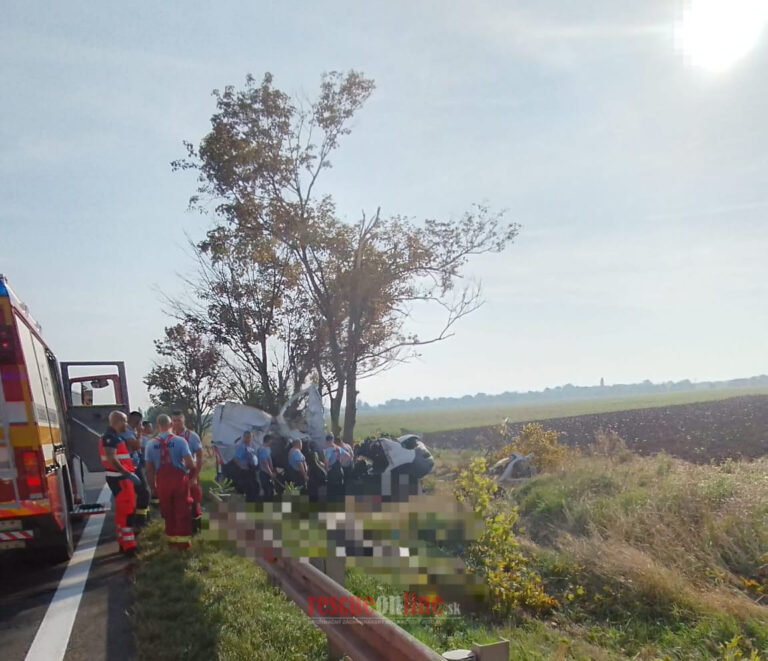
(560, 393)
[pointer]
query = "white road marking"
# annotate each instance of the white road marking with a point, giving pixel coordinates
(52, 638)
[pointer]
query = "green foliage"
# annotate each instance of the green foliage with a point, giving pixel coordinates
(548, 453)
(495, 555)
(260, 165)
(654, 557)
(189, 378)
(225, 487)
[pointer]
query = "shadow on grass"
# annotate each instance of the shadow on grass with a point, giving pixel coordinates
(169, 619)
(209, 604)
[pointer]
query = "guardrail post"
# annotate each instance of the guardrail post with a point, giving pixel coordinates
(493, 652)
(335, 569)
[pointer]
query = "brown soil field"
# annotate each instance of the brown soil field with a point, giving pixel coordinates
(701, 432)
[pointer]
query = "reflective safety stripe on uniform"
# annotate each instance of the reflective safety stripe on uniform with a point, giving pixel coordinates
(125, 504)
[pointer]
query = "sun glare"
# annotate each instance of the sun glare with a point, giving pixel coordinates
(715, 34)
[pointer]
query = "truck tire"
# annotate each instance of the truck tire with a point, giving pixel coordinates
(62, 543)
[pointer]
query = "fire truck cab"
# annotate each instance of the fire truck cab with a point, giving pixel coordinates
(47, 435)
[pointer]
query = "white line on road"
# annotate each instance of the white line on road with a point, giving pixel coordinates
(52, 638)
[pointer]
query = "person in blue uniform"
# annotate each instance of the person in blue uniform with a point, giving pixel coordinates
(266, 468)
(132, 437)
(335, 474)
(297, 465)
(242, 468)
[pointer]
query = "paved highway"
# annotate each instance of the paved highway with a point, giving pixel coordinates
(76, 611)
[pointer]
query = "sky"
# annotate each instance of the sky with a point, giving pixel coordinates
(628, 140)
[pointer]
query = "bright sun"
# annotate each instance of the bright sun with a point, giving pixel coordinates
(714, 34)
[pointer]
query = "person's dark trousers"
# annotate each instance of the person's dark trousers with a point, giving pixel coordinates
(335, 483)
(245, 481)
(267, 488)
(251, 484)
(141, 517)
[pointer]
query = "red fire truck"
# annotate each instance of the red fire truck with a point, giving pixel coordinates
(49, 431)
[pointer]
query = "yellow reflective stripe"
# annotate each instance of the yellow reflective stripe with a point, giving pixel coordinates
(142, 511)
(175, 539)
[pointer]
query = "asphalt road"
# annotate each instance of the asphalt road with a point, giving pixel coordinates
(101, 628)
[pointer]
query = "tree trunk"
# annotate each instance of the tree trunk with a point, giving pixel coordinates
(350, 407)
(336, 399)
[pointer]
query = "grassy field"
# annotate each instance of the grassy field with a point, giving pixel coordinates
(212, 604)
(648, 558)
(436, 421)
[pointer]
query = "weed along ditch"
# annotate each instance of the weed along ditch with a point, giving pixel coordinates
(600, 554)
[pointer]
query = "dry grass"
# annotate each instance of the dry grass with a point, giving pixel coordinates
(657, 547)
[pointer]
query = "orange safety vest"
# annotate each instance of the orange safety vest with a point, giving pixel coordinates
(122, 455)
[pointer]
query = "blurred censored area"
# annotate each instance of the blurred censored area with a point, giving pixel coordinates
(411, 544)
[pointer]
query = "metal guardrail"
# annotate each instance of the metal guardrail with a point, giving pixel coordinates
(371, 637)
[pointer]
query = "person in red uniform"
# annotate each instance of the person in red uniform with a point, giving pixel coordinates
(179, 427)
(121, 479)
(169, 464)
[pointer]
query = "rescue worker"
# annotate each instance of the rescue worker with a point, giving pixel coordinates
(196, 448)
(121, 479)
(147, 434)
(297, 465)
(266, 469)
(346, 457)
(242, 468)
(335, 474)
(132, 438)
(169, 465)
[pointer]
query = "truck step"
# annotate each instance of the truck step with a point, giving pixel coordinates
(88, 509)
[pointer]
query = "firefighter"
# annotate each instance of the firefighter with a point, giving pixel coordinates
(242, 468)
(346, 457)
(169, 466)
(297, 465)
(121, 479)
(133, 439)
(147, 434)
(266, 469)
(179, 428)
(335, 475)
